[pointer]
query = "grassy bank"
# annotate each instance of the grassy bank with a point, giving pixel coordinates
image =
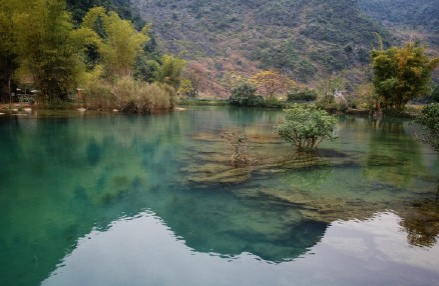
(128, 95)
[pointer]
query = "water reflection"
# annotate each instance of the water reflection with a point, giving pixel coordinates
(64, 176)
(422, 223)
(144, 251)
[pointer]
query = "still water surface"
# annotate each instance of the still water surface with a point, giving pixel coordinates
(100, 199)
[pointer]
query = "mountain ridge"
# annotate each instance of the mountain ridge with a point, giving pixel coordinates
(308, 40)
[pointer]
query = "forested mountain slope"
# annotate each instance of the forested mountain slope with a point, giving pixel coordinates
(419, 16)
(124, 8)
(308, 39)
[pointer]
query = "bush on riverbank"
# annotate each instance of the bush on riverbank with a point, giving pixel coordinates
(127, 94)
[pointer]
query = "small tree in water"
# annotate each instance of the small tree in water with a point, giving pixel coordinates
(238, 142)
(306, 127)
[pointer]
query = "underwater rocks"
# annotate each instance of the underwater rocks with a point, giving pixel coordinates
(211, 173)
(214, 167)
(323, 208)
(208, 163)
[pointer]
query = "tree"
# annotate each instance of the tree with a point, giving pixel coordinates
(170, 70)
(195, 74)
(435, 93)
(401, 73)
(429, 120)
(8, 57)
(46, 47)
(238, 143)
(301, 94)
(366, 97)
(120, 43)
(271, 82)
(329, 93)
(186, 88)
(306, 127)
(245, 95)
(234, 79)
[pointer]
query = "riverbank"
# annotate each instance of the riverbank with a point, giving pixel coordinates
(410, 112)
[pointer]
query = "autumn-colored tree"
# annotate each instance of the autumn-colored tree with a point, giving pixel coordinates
(270, 83)
(401, 73)
(234, 79)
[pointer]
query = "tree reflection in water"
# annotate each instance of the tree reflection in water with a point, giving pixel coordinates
(422, 224)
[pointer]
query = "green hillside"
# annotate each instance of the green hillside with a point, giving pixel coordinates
(124, 8)
(418, 16)
(306, 39)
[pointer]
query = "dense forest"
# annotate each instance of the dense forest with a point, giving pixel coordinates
(123, 8)
(65, 49)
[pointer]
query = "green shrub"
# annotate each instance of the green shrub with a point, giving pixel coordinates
(435, 94)
(306, 127)
(305, 94)
(429, 120)
(245, 95)
(273, 102)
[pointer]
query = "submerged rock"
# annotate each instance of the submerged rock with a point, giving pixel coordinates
(232, 175)
(267, 155)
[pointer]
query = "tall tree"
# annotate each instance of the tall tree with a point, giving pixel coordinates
(46, 47)
(401, 73)
(8, 57)
(170, 70)
(121, 42)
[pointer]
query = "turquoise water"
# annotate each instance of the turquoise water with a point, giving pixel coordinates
(112, 199)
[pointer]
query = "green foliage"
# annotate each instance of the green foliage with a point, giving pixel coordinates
(170, 71)
(202, 102)
(39, 44)
(302, 94)
(145, 69)
(120, 44)
(366, 97)
(46, 47)
(429, 120)
(245, 95)
(186, 89)
(329, 96)
(273, 102)
(419, 15)
(8, 57)
(401, 74)
(123, 8)
(306, 127)
(435, 94)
